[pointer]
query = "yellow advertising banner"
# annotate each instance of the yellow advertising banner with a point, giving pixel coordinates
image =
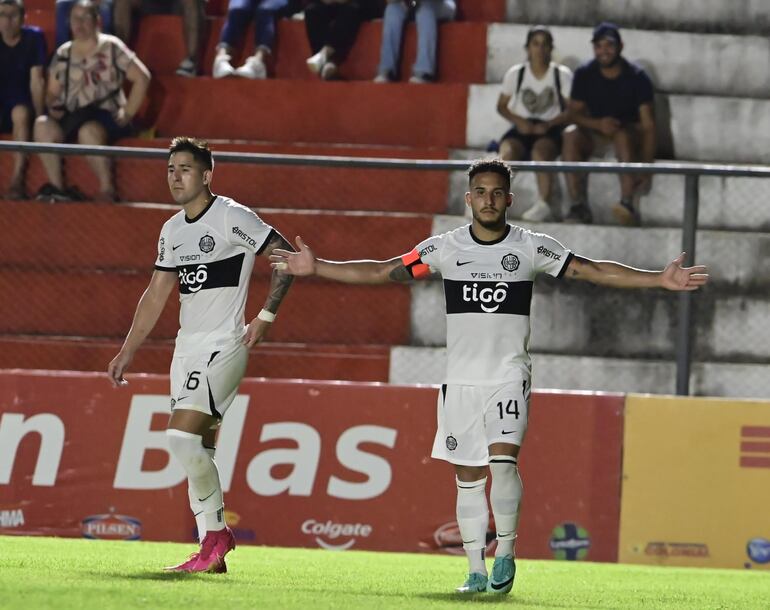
(696, 482)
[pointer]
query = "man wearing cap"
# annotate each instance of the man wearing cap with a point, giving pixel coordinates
(22, 94)
(534, 99)
(611, 103)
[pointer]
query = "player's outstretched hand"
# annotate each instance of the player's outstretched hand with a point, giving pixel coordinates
(117, 367)
(301, 262)
(676, 277)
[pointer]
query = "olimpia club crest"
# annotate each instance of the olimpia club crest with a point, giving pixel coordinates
(510, 262)
(570, 541)
(206, 244)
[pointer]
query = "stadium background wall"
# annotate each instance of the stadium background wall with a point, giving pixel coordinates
(330, 464)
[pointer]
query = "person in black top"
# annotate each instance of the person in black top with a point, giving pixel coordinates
(22, 83)
(611, 103)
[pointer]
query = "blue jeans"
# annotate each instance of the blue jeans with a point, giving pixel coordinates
(427, 15)
(241, 12)
(63, 8)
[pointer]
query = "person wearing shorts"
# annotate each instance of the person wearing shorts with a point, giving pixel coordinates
(85, 99)
(207, 250)
(488, 268)
(532, 99)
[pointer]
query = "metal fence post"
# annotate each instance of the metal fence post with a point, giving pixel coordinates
(684, 337)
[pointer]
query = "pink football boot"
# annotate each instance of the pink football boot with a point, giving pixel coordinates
(213, 550)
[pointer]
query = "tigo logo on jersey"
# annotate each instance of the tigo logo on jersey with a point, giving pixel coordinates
(758, 549)
(193, 279)
(489, 298)
(332, 531)
(111, 527)
(510, 262)
(570, 541)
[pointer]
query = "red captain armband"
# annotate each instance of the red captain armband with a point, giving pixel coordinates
(414, 265)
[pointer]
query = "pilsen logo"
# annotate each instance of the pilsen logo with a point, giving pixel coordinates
(111, 527)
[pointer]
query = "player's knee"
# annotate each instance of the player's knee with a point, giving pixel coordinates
(188, 449)
(506, 482)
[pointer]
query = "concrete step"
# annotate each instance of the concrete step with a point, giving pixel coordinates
(724, 203)
(426, 365)
(737, 261)
(576, 318)
(697, 128)
(738, 16)
(677, 62)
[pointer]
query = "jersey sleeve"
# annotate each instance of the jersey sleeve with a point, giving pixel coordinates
(246, 229)
(509, 81)
(425, 258)
(549, 256)
(123, 55)
(165, 260)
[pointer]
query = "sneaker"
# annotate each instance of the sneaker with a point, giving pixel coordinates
(383, 78)
(540, 212)
(187, 68)
(626, 214)
(213, 550)
(503, 573)
(579, 213)
(316, 63)
(329, 71)
(253, 68)
(222, 67)
(48, 192)
(420, 79)
(189, 563)
(475, 583)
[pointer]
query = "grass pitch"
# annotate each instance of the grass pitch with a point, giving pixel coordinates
(85, 574)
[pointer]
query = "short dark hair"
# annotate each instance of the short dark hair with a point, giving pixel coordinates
(539, 29)
(199, 149)
(494, 166)
(17, 3)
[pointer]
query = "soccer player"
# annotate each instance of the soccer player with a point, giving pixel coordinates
(208, 250)
(488, 268)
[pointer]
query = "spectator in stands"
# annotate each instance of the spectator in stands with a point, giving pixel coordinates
(192, 17)
(332, 26)
(22, 83)
(611, 104)
(85, 99)
(427, 14)
(532, 99)
(63, 8)
(239, 14)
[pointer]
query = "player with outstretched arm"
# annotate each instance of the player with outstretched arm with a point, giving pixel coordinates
(488, 268)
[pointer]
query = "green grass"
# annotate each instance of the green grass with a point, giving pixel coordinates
(84, 574)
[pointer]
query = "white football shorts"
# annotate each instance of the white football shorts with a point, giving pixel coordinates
(208, 382)
(470, 418)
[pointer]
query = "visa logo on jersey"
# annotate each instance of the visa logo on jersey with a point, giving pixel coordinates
(111, 527)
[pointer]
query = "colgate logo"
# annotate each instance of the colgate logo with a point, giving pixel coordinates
(489, 298)
(332, 530)
(194, 279)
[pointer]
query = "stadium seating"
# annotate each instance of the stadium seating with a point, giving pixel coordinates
(713, 104)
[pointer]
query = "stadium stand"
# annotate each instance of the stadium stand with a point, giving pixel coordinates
(393, 333)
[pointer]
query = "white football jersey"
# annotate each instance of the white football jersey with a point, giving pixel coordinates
(213, 255)
(488, 291)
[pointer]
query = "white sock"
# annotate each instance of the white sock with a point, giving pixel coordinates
(202, 476)
(505, 497)
(473, 520)
(195, 506)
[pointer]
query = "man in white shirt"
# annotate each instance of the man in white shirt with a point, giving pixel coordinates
(488, 269)
(534, 98)
(207, 249)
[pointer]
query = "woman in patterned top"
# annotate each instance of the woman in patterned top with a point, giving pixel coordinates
(85, 99)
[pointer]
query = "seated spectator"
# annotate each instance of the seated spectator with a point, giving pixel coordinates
(427, 14)
(85, 99)
(63, 8)
(611, 104)
(532, 99)
(239, 14)
(332, 26)
(22, 94)
(192, 17)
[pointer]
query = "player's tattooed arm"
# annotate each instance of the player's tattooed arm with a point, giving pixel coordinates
(398, 272)
(279, 282)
